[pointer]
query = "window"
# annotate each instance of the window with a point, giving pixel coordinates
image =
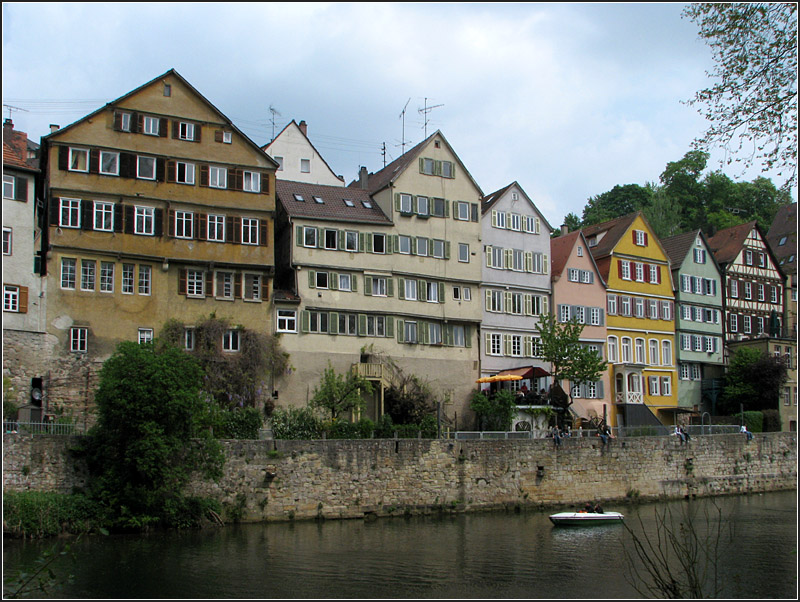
(612, 349)
(625, 306)
(11, 298)
(432, 292)
(252, 181)
(773, 294)
(447, 169)
(640, 238)
(186, 131)
(612, 305)
(459, 336)
(184, 172)
(666, 353)
(463, 252)
(379, 243)
(351, 241)
(145, 221)
(287, 320)
(653, 385)
(9, 185)
(625, 270)
(515, 222)
(109, 163)
(347, 324)
(761, 295)
(438, 249)
(305, 165)
(146, 168)
(249, 231)
(495, 344)
(87, 275)
(594, 316)
(422, 205)
(638, 307)
(639, 351)
(230, 341)
(379, 287)
(462, 211)
(188, 339)
(321, 280)
(410, 289)
(224, 285)
(78, 159)
(699, 255)
(252, 287)
(103, 216)
(344, 282)
(127, 278)
(626, 350)
(376, 326)
(653, 344)
(145, 335)
(410, 332)
(68, 273)
(438, 208)
(428, 166)
(404, 244)
(150, 126)
(217, 177)
(422, 246)
(184, 221)
(216, 228)
(125, 122)
(78, 339)
(195, 283)
(494, 301)
(70, 213)
(405, 203)
(639, 271)
(309, 236)
(7, 241)
(227, 138)
(666, 386)
(318, 321)
(106, 277)
(145, 279)
(748, 290)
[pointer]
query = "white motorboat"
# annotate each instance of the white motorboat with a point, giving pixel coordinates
(586, 518)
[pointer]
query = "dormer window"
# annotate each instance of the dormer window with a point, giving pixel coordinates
(299, 198)
(349, 203)
(318, 200)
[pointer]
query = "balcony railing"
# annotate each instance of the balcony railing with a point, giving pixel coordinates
(630, 397)
(371, 371)
(42, 428)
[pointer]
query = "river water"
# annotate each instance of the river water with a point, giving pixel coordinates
(482, 555)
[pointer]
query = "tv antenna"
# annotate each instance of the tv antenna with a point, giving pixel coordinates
(403, 136)
(274, 112)
(12, 108)
(424, 111)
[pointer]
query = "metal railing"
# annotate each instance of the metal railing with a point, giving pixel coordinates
(42, 428)
(626, 431)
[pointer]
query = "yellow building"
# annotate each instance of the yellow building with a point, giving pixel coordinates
(159, 208)
(640, 308)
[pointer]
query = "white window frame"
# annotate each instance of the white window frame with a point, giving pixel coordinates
(69, 213)
(145, 336)
(75, 154)
(11, 298)
(186, 131)
(145, 280)
(287, 320)
(195, 283)
(305, 165)
(128, 278)
(184, 224)
(88, 274)
(69, 267)
(217, 177)
(106, 276)
(109, 172)
(9, 186)
(151, 125)
(78, 339)
(184, 173)
(351, 241)
(8, 247)
(215, 228)
(251, 287)
(231, 341)
(309, 233)
(463, 252)
(103, 216)
(145, 218)
(410, 289)
(249, 230)
(145, 167)
(251, 181)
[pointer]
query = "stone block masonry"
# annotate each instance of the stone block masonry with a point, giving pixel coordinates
(284, 480)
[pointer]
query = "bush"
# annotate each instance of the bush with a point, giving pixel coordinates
(772, 421)
(296, 423)
(240, 423)
(342, 429)
(753, 420)
(495, 412)
(37, 514)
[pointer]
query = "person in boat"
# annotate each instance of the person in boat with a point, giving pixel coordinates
(598, 509)
(588, 507)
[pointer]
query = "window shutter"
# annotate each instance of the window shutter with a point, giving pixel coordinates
(171, 222)
(137, 123)
(362, 325)
(197, 132)
(441, 292)
(94, 160)
(298, 236)
(467, 336)
(22, 306)
(401, 288)
(217, 135)
(354, 283)
(201, 232)
(127, 165)
(204, 175)
(130, 218)
(368, 286)
(312, 279)
(422, 290)
(390, 287)
(87, 209)
(163, 126)
(182, 282)
(21, 189)
(333, 323)
(158, 222)
(118, 217)
(171, 170)
(401, 331)
(619, 268)
(63, 158)
(494, 218)
(209, 284)
(176, 126)
(263, 235)
(545, 264)
(117, 121)
(389, 326)
(237, 286)
(645, 239)
(161, 170)
(264, 183)
(304, 315)
(333, 281)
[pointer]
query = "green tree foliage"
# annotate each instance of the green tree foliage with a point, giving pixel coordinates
(409, 402)
(753, 380)
(494, 412)
(296, 423)
(152, 434)
(571, 359)
(663, 214)
(619, 201)
(752, 104)
(340, 394)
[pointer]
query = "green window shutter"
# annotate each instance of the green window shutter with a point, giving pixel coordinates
(422, 290)
(545, 264)
(446, 208)
(447, 249)
(506, 344)
(507, 305)
(341, 238)
(390, 287)
(528, 261)
(333, 281)
(489, 256)
(312, 279)
(422, 165)
(394, 242)
(413, 245)
(304, 320)
(425, 332)
(299, 236)
(362, 242)
(362, 325)
(397, 201)
(528, 305)
(388, 245)
(400, 331)
(333, 323)
(390, 326)
(354, 283)
(509, 257)
(467, 336)
(401, 288)
(368, 285)
(488, 299)
(441, 292)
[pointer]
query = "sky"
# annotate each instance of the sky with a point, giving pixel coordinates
(566, 99)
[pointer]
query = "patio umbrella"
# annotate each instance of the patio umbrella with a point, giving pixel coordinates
(498, 378)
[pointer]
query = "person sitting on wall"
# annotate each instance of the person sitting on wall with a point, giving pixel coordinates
(746, 432)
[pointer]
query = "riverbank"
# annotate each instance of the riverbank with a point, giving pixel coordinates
(276, 480)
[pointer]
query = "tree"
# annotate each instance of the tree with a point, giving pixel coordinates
(571, 221)
(151, 435)
(494, 412)
(340, 393)
(664, 214)
(753, 101)
(571, 359)
(754, 380)
(619, 201)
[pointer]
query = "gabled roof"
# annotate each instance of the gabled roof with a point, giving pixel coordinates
(678, 246)
(726, 244)
(381, 179)
(614, 230)
(299, 129)
(332, 207)
(175, 74)
(784, 226)
(561, 249)
(490, 199)
(11, 158)
(16, 147)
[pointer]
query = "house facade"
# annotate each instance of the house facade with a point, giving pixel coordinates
(579, 293)
(640, 344)
(158, 208)
(298, 160)
(699, 320)
(24, 291)
(515, 286)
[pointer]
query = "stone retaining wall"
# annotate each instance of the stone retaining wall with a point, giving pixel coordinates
(283, 480)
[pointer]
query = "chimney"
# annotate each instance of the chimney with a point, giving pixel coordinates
(564, 229)
(8, 125)
(54, 127)
(303, 128)
(363, 177)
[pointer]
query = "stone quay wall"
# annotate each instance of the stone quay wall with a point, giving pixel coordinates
(274, 480)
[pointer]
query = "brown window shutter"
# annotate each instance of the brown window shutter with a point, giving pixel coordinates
(118, 217)
(117, 121)
(237, 285)
(23, 299)
(127, 165)
(87, 217)
(139, 123)
(264, 183)
(209, 284)
(235, 179)
(161, 170)
(202, 226)
(263, 235)
(182, 282)
(63, 158)
(171, 222)
(158, 222)
(204, 175)
(94, 160)
(171, 167)
(197, 129)
(55, 208)
(163, 126)
(176, 129)
(130, 218)
(21, 189)
(217, 135)
(237, 229)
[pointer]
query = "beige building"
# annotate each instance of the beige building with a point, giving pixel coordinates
(298, 160)
(384, 271)
(159, 208)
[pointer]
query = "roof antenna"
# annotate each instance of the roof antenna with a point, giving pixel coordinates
(403, 136)
(10, 108)
(274, 112)
(425, 112)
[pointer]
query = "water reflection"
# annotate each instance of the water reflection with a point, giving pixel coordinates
(487, 555)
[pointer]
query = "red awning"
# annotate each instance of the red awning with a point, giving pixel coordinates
(525, 372)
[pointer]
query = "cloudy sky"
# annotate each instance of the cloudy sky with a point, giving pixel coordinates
(566, 99)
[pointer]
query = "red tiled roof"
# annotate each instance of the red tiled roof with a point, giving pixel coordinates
(726, 244)
(11, 157)
(614, 230)
(332, 207)
(560, 249)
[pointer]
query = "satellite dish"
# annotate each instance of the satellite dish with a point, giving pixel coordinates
(36, 394)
